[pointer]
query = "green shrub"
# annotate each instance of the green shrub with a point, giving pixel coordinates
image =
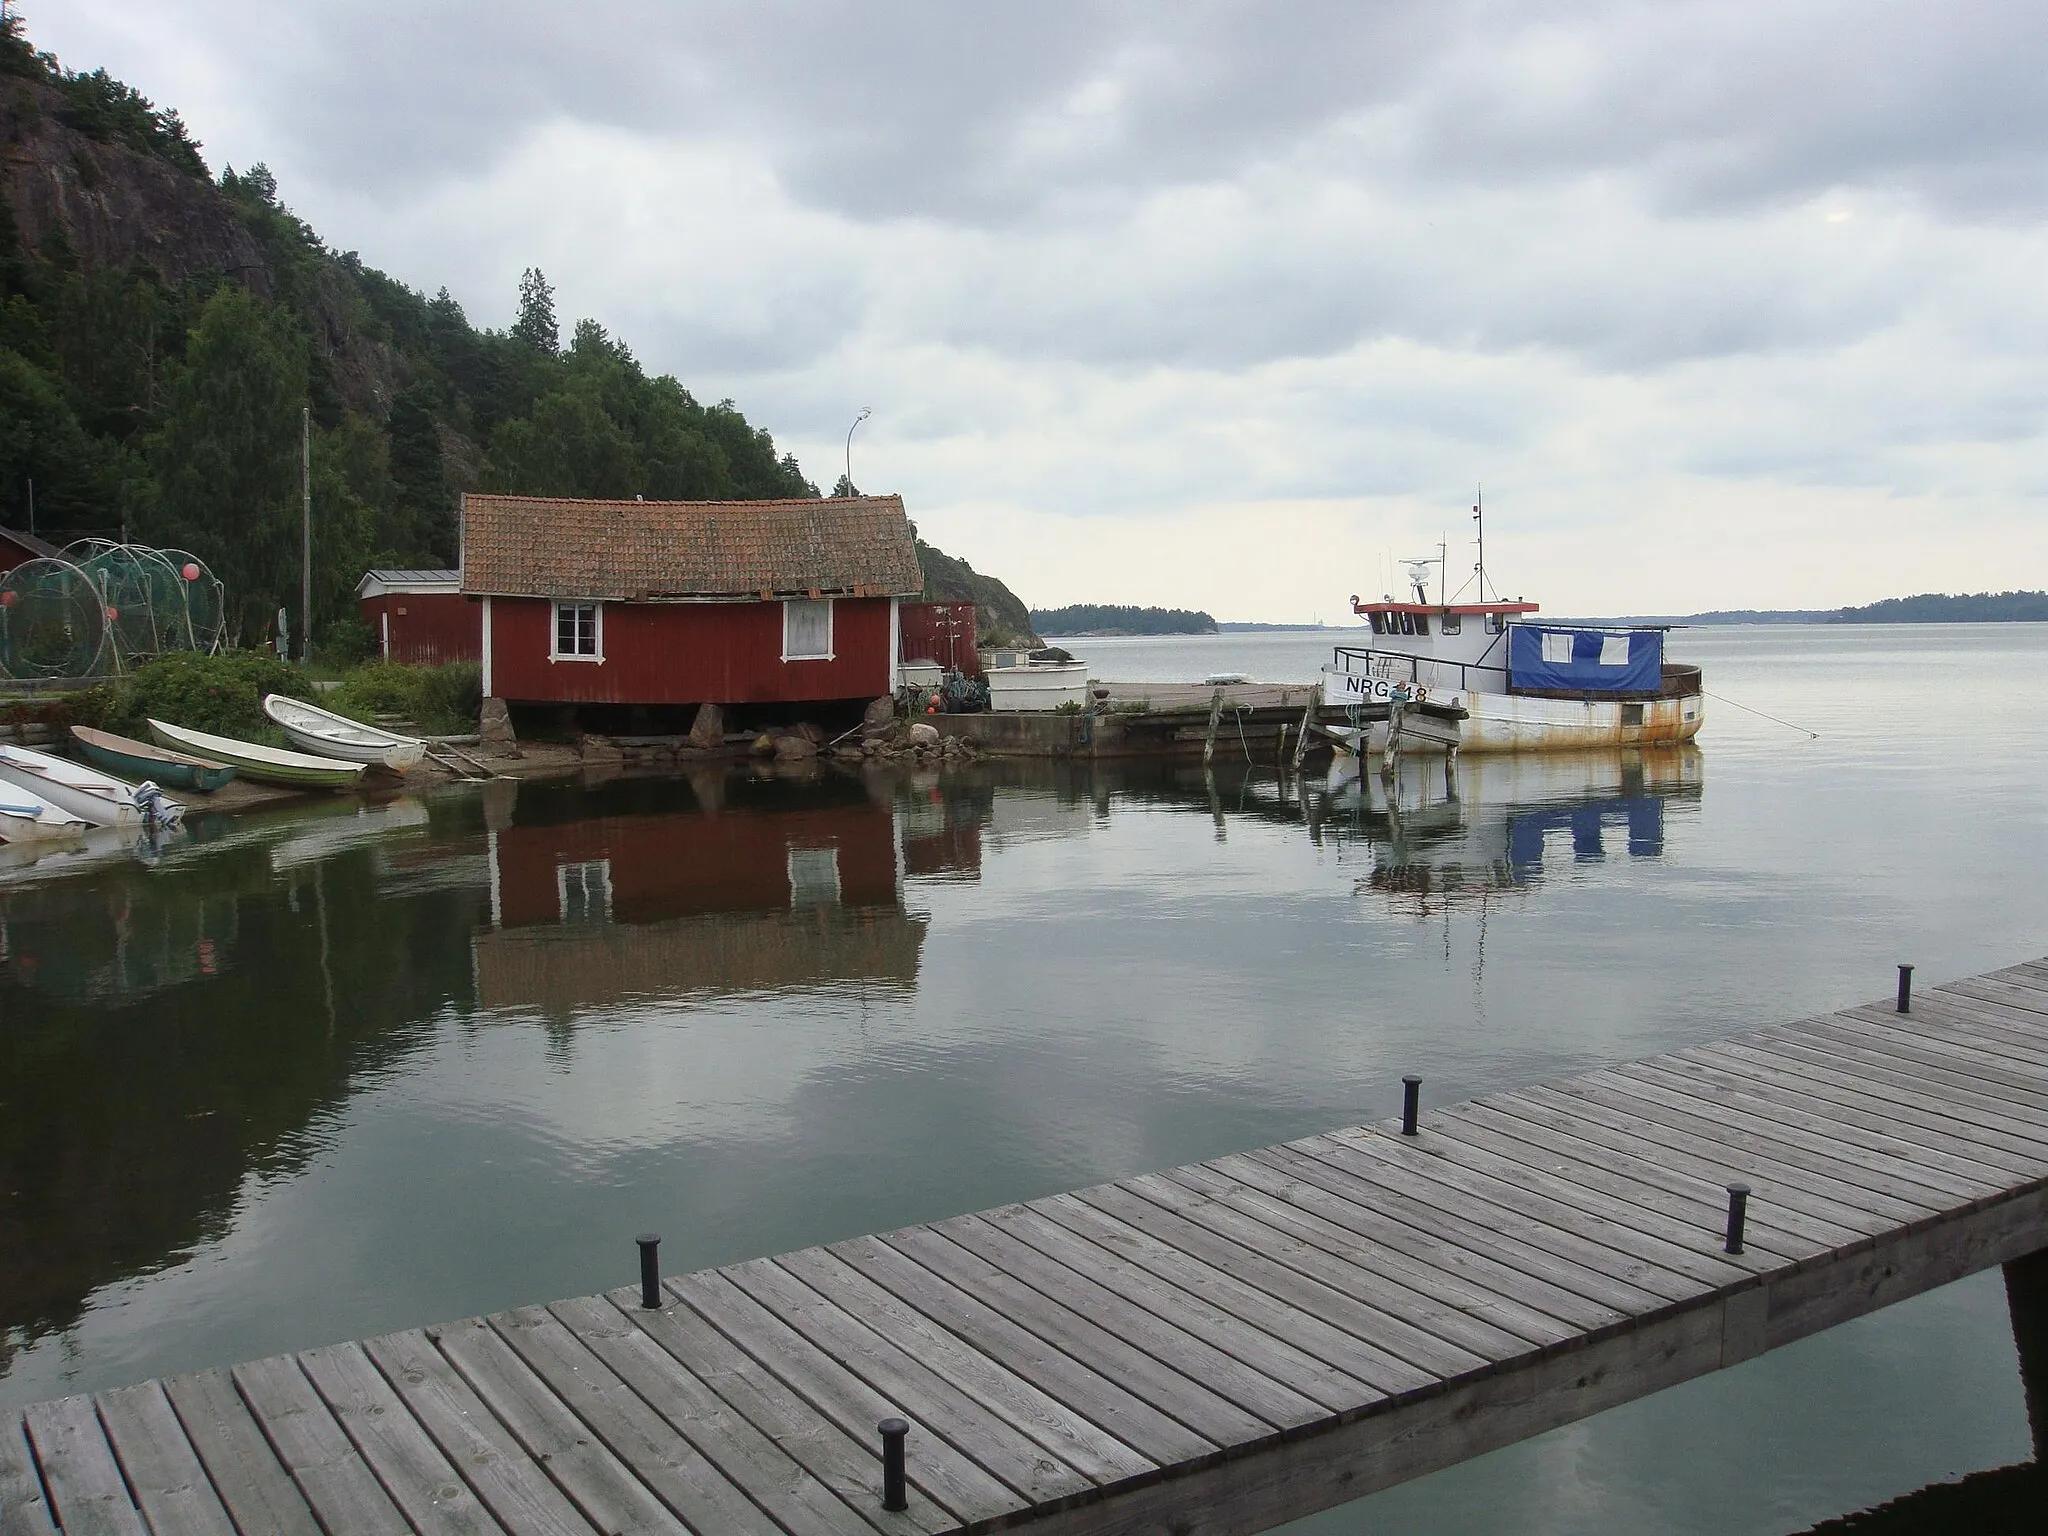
(439, 701)
(344, 643)
(222, 693)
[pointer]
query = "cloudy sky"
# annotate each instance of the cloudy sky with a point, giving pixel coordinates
(1222, 305)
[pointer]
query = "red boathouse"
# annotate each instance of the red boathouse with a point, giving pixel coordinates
(421, 617)
(688, 602)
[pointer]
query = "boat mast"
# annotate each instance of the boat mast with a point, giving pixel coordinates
(1479, 517)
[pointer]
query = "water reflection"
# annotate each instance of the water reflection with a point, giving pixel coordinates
(1442, 833)
(708, 886)
(171, 1031)
(214, 1073)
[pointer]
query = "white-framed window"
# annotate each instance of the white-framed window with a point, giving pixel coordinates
(585, 891)
(1614, 650)
(579, 632)
(1557, 649)
(807, 629)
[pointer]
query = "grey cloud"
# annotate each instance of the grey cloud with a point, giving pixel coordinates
(925, 108)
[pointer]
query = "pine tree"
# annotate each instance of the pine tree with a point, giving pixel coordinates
(536, 325)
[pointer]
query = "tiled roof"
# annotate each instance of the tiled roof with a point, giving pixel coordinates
(531, 546)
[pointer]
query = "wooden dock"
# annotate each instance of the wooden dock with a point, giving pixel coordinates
(1217, 1348)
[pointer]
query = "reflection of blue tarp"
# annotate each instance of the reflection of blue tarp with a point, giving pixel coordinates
(1585, 660)
(1644, 815)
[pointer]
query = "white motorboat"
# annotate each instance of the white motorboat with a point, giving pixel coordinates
(323, 732)
(26, 817)
(87, 793)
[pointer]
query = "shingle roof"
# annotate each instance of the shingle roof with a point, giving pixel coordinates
(531, 546)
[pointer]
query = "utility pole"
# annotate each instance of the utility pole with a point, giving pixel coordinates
(305, 535)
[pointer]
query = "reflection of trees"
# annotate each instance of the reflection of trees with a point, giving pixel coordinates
(2008, 1499)
(166, 1034)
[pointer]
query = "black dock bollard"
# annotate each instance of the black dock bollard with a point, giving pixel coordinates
(1411, 1101)
(650, 1269)
(1905, 989)
(894, 1495)
(1738, 1211)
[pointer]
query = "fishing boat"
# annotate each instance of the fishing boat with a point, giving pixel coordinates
(1487, 676)
(265, 765)
(26, 817)
(331, 735)
(94, 797)
(145, 760)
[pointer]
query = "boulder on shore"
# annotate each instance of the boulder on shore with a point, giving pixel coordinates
(763, 746)
(879, 714)
(922, 735)
(794, 748)
(707, 731)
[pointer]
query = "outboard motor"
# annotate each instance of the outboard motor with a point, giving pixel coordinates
(159, 812)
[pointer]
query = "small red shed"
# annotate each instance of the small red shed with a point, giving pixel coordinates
(421, 617)
(688, 602)
(18, 548)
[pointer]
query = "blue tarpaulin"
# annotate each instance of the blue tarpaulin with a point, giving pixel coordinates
(1585, 660)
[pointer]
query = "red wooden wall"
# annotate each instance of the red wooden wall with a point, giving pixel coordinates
(426, 629)
(689, 653)
(682, 865)
(941, 632)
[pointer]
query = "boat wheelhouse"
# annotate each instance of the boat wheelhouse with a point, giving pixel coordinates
(1489, 676)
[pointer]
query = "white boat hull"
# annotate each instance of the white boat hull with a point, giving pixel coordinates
(1039, 686)
(1504, 722)
(27, 817)
(326, 734)
(96, 798)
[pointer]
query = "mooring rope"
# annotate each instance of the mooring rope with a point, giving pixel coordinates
(1810, 735)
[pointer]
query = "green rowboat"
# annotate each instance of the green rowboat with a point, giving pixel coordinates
(141, 760)
(266, 765)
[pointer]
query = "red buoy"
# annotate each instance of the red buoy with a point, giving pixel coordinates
(189, 571)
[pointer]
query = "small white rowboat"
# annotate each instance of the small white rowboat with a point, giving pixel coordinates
(27, 817)
(86, 792)
(331, 735)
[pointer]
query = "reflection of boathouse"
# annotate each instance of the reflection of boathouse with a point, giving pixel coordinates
(670, 904)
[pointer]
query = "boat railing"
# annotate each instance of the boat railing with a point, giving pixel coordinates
(1677, 681)
(1404, 665)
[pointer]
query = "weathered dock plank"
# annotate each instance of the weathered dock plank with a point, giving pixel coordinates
(1212, 1349)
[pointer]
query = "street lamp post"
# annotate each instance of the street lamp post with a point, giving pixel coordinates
(865, 413)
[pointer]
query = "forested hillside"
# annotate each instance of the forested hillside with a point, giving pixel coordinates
(1121, 619)
(161, 331)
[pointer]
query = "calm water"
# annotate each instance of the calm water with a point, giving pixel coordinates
(322, 1075)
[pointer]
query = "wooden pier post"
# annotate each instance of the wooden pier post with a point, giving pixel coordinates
(2026, 1299)
(1215, 719)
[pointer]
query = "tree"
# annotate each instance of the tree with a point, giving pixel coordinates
(227, 459)
(845, 487)
(536, 325)
(568, 447)
(421, 526)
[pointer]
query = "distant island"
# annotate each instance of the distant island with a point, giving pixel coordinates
(1926, 608)
(1095, 619)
